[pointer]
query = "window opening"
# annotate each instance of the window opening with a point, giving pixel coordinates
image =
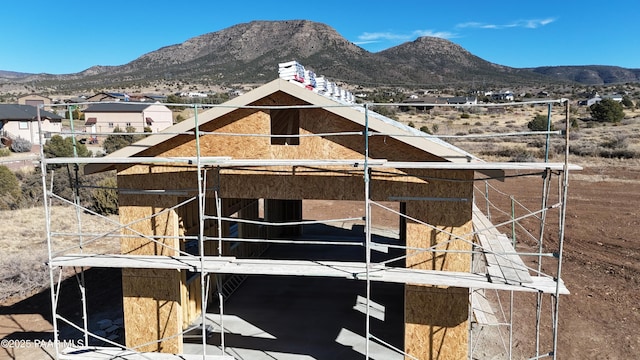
(285, 122)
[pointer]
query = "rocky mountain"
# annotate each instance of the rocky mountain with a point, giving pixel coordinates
(591, 74)
(435, 60)
(250, 53)
(13, 75)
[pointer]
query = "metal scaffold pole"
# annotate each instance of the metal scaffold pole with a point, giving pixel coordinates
(201, 209)
(236, 208)
(561, 235)
(367, 230)
(47, 217)
(76, 201)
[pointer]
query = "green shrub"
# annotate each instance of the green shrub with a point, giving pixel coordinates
(619, 142)
(627, 102)
(465, 116)
(5, 151)
(58, 146)
(105, 197)
(64, 183)
(9, 189)
(618, 154)
(119, 140)
(607, 110)
(574, 123)
(515, 154)
(425, 129)
(540, 123)
(584, 149)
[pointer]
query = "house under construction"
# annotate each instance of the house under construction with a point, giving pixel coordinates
(200, 203)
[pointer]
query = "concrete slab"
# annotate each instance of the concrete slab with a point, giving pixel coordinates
(282, 317)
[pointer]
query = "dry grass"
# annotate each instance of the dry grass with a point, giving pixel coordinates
(23, 245)
(591, 140)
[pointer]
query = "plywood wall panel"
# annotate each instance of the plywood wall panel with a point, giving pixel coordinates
(151, 304)
(151, 297)
(436, 323)
(436, 318)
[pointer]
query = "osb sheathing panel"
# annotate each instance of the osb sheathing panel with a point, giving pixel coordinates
(452, 216)
(132, 209)
(436, 324)
(312, 121)
(191, 300)
(151, 297)
(436, 318)
(251, 121)
(292, 184)
(152, 310)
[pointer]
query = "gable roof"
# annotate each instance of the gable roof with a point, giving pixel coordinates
(108, 96)
(15, 112)
(108, 107)
(460, 100)
(355, 113)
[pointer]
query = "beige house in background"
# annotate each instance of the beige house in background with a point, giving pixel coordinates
(105, 117)
(22, 121)
(34, 100)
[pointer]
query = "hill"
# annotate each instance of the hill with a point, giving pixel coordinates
(250, 52)
(591, 74)
(12, 75)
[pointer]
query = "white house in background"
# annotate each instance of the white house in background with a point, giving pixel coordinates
(462, 100)
(105, 117)
(22, 121)
(192, 94)
(597, 98)
(614, 97)
(502, 95)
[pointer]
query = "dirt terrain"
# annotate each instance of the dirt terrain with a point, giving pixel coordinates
(601, 268)
(599, 320)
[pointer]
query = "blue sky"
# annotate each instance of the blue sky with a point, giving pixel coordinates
(61, 37)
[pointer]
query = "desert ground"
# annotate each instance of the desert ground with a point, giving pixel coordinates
(601, 268)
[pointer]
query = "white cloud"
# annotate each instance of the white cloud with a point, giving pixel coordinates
(528, 24)
(438, 34)
(376, 37)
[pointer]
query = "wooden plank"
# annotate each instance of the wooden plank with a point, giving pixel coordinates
(139, 261)
(477, 166)
(493, 268)
(512, 261)
(482, 309)
(508, 274)
(481, 223)
(503, 264)
(98, 353)
(347, 270)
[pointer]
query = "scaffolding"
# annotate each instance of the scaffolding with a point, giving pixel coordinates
(497, 274)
